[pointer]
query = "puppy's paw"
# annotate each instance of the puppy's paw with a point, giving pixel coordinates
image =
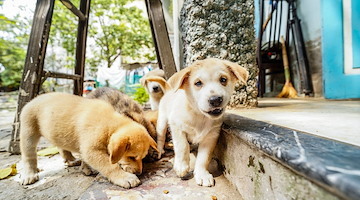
(204, 179)
(87, 170)
(29, 178)
(181, 169)
(73, 163)
(127, 180)
(152, 156)
(161, 151)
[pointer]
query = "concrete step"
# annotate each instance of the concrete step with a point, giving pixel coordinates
(266, 161)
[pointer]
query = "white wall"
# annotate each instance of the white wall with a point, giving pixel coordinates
(309, 11)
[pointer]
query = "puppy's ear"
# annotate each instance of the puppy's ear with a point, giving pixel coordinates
(117, 147)
(153, 144)
(240, 72)
(178, 80)
(163, 84)
(157, 72)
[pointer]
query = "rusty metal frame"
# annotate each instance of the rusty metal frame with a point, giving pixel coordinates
(34, 74)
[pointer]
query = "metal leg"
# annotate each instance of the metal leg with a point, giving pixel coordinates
(81, 46)
(34, 63)
(160, 37)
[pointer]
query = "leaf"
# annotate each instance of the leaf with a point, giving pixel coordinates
(49, 151)
(10, 171)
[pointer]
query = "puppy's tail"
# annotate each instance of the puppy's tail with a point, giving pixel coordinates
(163, 84)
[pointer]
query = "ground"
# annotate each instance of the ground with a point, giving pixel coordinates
(60, 182)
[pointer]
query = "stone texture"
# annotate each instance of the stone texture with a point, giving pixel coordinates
(267, 161)
(225, 30)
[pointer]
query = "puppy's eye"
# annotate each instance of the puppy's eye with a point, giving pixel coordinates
(198, 83)
(132, 158)
(223, 80)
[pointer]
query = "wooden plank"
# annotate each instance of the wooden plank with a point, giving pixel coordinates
(73, 9)
(47, 74)
(81, 47)
(31, 78)
(160, 36)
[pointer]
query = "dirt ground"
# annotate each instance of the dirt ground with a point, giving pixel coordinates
(60, 182)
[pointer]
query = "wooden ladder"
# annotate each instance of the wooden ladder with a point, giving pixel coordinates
(34, 74)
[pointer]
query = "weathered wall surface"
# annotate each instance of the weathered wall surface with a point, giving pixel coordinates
(256, 176)
(225, 30)
(308, 11)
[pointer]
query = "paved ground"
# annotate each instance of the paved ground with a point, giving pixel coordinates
(338, 120)
(158, 182)
(59, 182)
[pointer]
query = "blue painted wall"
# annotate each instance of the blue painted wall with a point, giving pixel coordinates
(356, 32)
(337, 84)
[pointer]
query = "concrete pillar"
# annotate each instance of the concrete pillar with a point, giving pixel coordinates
(225, 30)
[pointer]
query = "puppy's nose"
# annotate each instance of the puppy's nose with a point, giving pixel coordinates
(156, 88)
(215, 101)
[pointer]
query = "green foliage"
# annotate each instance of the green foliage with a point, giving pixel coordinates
(12, 57)
(63, 33)
(141, 95)
(14, 34)
(119, 29)
(115, 29)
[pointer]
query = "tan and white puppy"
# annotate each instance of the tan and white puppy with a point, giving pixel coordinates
(193, 108)
(107, 141)
(154, 88)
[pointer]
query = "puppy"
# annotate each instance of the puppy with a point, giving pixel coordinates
(124, 105)
(152, 116)
(154, 88)
(103, 137)
(193, 108)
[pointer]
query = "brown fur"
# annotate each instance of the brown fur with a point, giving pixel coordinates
(124, 105)
(103, 137)
(152, 116)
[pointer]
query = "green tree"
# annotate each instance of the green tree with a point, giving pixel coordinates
(14, 35)
(12, 57)
(63, 33)
(119, 29)
(116, 28)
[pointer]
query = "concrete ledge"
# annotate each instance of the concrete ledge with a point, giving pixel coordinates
(265, 161)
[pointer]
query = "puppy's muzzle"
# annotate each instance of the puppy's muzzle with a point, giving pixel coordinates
(156, 89)
(216, 112)
(215, 101)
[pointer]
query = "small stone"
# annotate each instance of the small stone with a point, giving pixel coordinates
(166, 191)
(213, 197)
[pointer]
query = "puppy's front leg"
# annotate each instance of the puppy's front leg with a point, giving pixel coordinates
(206, 147)
(100, 161)
(161, 133)
(182, 153)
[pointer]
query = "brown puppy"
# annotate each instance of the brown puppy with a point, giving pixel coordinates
(124, 105)
(103, 137)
